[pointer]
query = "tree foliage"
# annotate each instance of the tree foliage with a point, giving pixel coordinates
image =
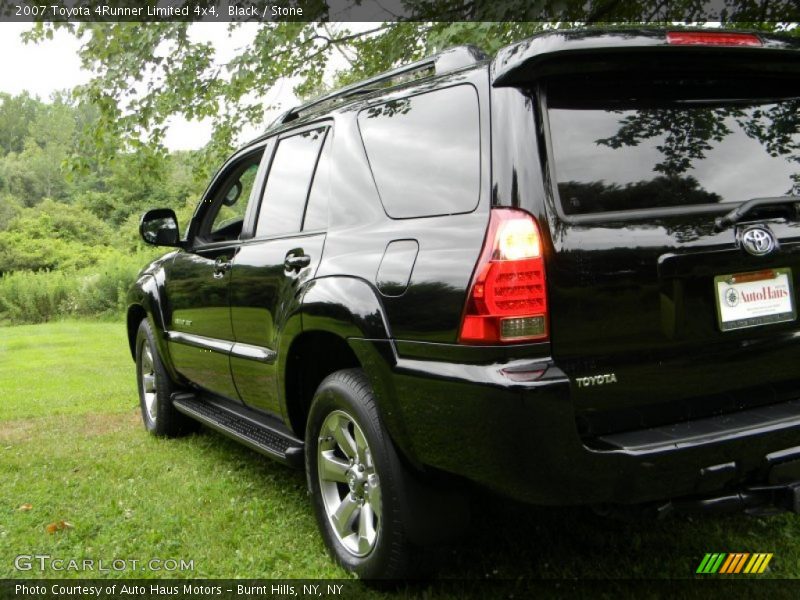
(69, 241)
(76, 172)
(144, 74)
(52, 217)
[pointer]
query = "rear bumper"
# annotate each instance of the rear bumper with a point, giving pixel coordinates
(489, 424)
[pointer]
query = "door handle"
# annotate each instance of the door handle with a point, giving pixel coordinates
(296, 260)
(221, 265)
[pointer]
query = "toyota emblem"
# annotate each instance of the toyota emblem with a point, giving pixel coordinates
(758, 241)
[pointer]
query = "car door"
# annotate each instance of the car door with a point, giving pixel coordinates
(270, 268)
(199, 331)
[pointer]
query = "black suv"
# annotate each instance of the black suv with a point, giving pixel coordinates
(566, 273)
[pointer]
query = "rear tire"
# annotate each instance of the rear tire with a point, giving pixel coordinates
(355, 479)
(156, 388)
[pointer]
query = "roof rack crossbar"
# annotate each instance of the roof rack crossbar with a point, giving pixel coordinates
(443, 62)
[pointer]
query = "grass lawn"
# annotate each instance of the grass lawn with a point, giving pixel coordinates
(73, 448)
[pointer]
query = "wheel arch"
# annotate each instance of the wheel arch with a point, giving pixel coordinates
(347, 306)
(342, 324)
(136, 314)
(312, 356)
(144, 302)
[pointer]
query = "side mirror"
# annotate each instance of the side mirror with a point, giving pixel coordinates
(233, 194)
(159, 227)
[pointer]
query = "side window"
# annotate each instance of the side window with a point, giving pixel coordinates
(317, 208)
(235, 199)
(224, 219)
(424, 152)
(288, 181)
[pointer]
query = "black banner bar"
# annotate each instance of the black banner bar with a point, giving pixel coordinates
(333, 589)
(264, 11)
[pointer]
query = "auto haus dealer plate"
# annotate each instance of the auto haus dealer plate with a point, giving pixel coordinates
(753, 299)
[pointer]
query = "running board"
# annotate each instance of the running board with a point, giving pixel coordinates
(259, 436)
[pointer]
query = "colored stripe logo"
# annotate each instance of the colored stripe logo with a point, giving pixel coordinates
(734, 563)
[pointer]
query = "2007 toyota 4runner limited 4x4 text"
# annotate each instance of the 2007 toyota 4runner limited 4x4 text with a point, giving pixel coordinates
(566, 274)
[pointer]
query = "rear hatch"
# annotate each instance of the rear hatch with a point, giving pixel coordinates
(662, 309)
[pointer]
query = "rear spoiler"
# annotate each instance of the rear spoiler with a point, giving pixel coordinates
(585, 51)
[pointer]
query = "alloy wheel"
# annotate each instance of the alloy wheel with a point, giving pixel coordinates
(350, 487)
(148, 377)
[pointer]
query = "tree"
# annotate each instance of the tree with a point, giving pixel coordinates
(16, 114)
(9, 209)
(52, 235)
(146, 73)
(33, 169)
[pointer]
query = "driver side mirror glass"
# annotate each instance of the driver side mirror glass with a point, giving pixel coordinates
(233, 194)
(159, 227)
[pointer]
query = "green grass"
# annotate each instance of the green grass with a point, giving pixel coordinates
(65, 368)
(72, 446)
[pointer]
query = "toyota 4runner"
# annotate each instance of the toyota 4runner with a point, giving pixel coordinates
(567, 273)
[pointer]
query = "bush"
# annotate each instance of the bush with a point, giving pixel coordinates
(27, 297)
(36, 297)
(53, 235)
(104, 289)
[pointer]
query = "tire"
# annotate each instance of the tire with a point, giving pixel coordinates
(155, 388)
(360, 504)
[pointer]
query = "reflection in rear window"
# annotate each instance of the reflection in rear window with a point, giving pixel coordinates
(673, 143)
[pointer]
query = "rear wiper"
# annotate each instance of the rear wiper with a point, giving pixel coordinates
(740, 211)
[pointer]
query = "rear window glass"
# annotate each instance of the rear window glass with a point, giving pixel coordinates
(424, 152)
(629, 145)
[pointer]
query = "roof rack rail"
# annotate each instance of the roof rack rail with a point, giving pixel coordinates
(437, 64)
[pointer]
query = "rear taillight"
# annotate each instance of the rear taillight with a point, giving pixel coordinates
(507, 300)
(712, 38)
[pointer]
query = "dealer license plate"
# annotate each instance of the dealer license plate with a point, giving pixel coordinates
(753, 299)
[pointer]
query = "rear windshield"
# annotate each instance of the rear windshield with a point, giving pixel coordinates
(627, 144)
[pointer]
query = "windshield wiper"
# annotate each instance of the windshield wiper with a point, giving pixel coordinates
(740, 211)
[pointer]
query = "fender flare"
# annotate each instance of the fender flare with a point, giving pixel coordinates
(351, 309)
(347, 306)
(145, 295)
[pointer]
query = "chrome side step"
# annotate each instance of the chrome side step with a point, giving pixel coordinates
(261, 437)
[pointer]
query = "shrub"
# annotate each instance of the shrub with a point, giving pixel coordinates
(28, 297)
(103, 289)
(36, 297)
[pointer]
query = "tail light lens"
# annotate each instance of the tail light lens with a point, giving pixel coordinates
(507, 300)
(711, 38)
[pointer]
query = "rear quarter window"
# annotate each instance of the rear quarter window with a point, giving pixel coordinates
(424, 152)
